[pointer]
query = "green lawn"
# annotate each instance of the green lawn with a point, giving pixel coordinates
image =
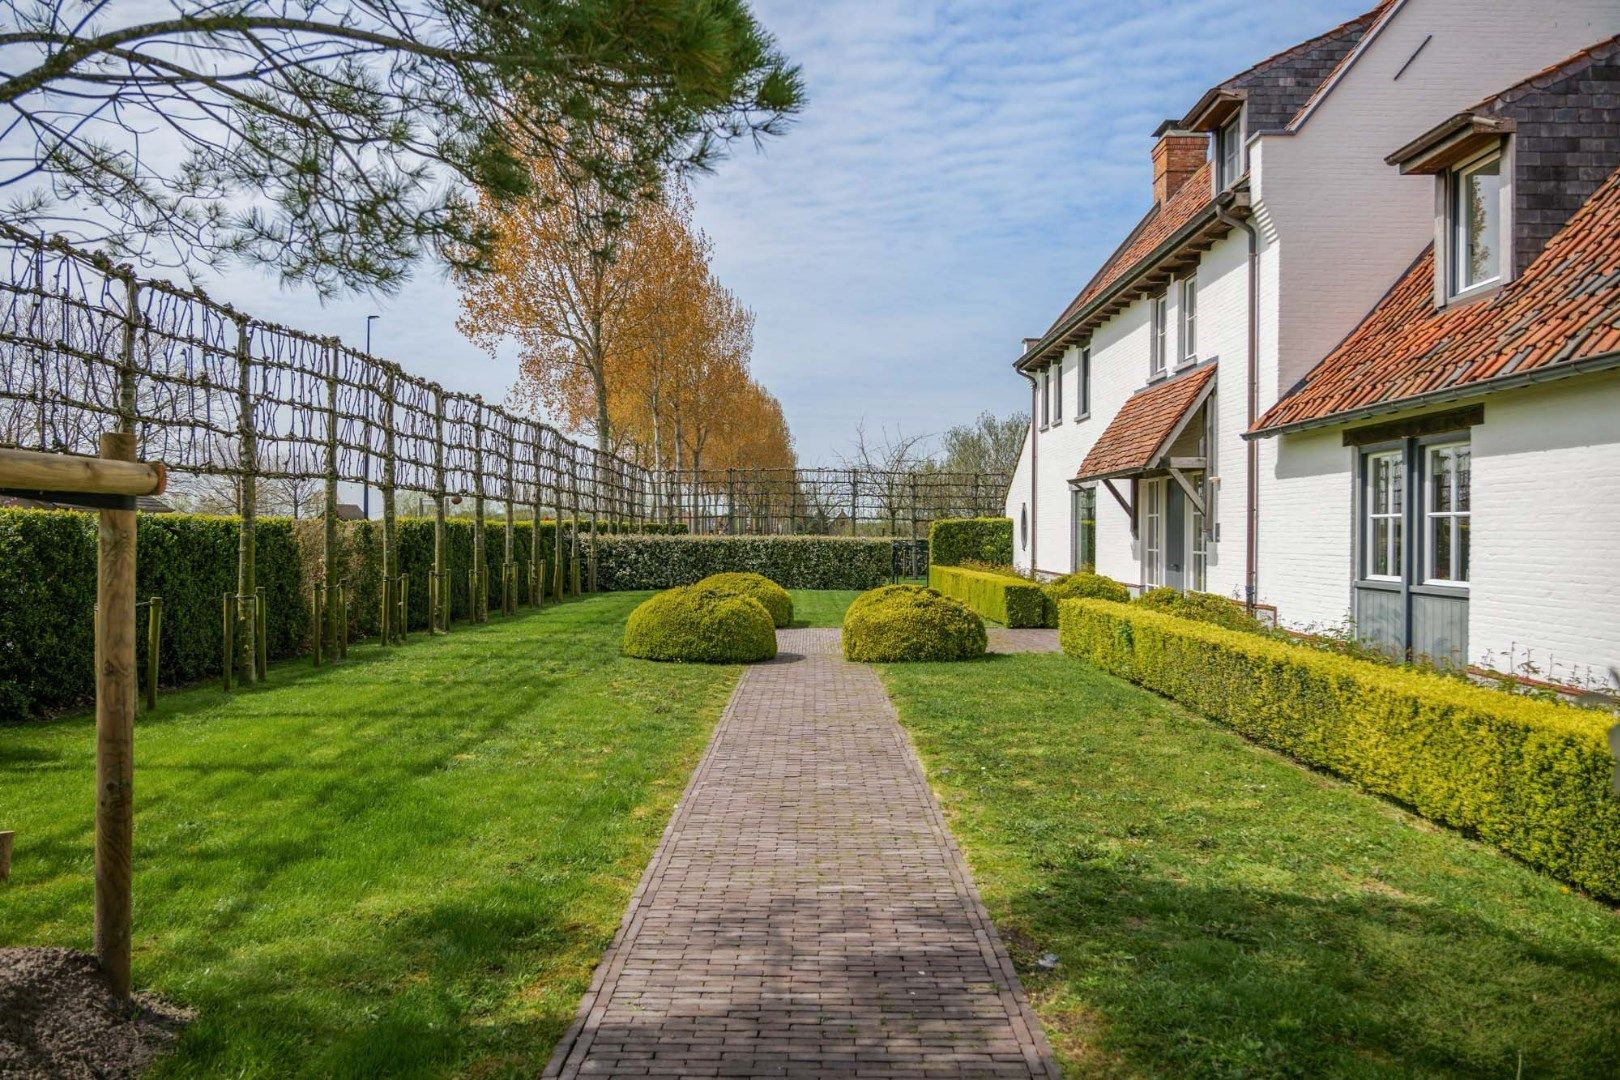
(821, 607)
(826, 607)
(406, 865)
(1219, 911)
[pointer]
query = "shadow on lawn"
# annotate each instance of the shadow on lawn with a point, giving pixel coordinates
(1168, 979)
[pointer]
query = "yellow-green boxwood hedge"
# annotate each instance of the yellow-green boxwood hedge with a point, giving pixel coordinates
(1011, 601)
(908, 622)
(1531, 777)
(699, 625)
(952, 541)
(776, 599)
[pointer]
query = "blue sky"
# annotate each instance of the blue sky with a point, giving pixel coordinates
(960, 171)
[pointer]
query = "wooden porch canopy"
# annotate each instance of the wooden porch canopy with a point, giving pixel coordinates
(1140, 438)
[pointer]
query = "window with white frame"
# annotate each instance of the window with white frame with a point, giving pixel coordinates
(1446, 513)
(1229, 153)
(1160, 342)
(1082, 407)
(1057, 391)
(1477, 215)
(1153, 533)
(1383, 510)
(1189, 320)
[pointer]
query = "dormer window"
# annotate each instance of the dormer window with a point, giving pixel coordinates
(1229, 152)
(1476, 225)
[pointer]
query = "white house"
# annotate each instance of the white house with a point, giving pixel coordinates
(1340, 295)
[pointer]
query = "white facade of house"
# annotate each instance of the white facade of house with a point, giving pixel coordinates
(1336, 227)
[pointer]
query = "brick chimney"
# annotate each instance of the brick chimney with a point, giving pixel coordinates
(1176, 156)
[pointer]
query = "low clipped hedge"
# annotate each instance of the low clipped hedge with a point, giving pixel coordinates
(1532, 777)
(772, 596)
(794, 562)
(908, 622)
(1199, 607)
(951, 541)
(1011, 601)
(699, 625)
(1085, 585)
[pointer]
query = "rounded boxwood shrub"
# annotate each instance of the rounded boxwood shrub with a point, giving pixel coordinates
(910, 622)
(1084, 585)
(761, 588)
(1200, 607)
(697, 625)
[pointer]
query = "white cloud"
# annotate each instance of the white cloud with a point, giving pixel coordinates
(962, 168)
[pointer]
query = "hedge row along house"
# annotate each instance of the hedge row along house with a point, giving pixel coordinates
(1361, 358)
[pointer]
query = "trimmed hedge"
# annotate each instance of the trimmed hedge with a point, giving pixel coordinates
(1532, 777)
(908, 622)
(693, 624)
(794, 562)
(1085, 585)
(48, 581)
(1199, 607)
(774, 598)
(1011, 601)
(952, 540)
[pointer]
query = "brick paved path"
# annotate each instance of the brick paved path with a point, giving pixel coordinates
(806, 913)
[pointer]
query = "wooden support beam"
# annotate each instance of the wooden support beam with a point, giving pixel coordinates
(1129, 509)
(1187, 489)
(36, 471)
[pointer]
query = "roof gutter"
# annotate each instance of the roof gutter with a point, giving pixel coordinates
(1603, 362)
(1143, 266)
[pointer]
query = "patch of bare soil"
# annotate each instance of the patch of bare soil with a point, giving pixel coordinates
(58, 1019)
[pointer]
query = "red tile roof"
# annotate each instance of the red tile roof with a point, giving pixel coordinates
(1143, 424)
(1157, 226)
(1564, 309)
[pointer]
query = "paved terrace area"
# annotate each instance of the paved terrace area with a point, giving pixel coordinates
(807, 912)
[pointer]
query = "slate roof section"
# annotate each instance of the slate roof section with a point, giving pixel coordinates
(1276, 89)
(1143, 425)
(1563, 312)
(1368, 22)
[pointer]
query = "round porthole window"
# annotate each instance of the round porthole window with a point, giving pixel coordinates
(1023, 526)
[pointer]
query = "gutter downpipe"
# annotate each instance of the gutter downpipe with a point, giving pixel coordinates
(1251, 586)
(1034, 489)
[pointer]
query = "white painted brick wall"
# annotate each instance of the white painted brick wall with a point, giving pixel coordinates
(1546, 531)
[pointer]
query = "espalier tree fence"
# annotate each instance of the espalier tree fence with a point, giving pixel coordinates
(830, 502)
(208, 390)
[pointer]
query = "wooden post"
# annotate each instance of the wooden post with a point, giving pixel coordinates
(263, 634)
(478, 600)
(439, 584)
(115, 725)
(154, 642)
(317, 622)
(227, 641)
(342, 642)
(247, 497)
(6, 839)
(329, 537)
(854, 499)
(390, 631)
(556, 535)
(573, 528)
(404, 620)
